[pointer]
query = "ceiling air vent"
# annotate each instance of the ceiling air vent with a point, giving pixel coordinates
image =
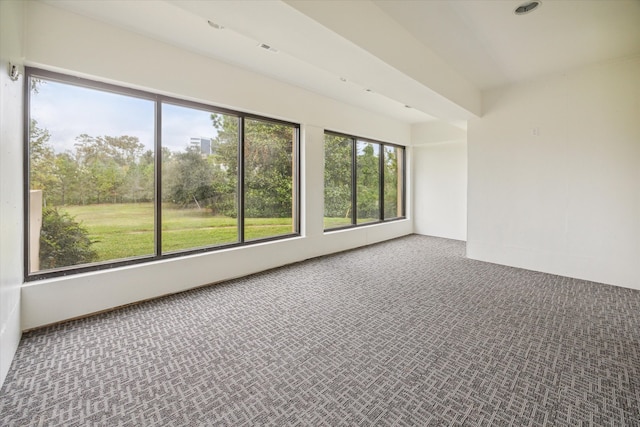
(526, 7)
(267, 47)
(215, 25)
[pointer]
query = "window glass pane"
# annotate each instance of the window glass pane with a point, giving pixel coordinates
(199, 178)
(368, 179)
(337, 181)
(91, 176)
(268, 179)
(393, 191)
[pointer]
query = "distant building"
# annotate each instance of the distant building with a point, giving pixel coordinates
(204, 144)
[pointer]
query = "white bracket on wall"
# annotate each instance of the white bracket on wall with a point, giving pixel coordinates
(14, 71)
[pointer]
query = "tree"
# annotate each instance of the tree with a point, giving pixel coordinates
(190, 181)
(391, 184)
(42, 171)
(368, 179)
(105, 163)
(225, 159)
(109, 177)
(268, 169)
(138, 185)
(337, 176)
(67, 179)
(124, 150)
(63, 241)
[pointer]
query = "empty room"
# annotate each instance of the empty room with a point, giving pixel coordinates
(320, 212)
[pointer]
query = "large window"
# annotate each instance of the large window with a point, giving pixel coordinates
(393, 169)
(338, 183)
(363, 181)
(199, 178)
(269, 165)
(367, 182)
(117, 176)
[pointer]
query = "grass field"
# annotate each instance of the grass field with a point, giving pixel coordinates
(336, 222)
(330, 222)
(126, 230)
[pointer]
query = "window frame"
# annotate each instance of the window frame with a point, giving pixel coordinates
(381, 182)
(159, 100)
(403, 181)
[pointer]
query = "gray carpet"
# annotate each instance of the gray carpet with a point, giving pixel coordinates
(406, 332)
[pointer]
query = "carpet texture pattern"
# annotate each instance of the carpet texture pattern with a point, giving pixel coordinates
(405, 332)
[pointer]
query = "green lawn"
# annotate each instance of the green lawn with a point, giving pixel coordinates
(330, 222)
(126, 230)
(336, 222)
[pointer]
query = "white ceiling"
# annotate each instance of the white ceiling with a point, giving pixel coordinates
(433, 55)
(491, 46)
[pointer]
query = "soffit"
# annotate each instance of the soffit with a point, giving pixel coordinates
(435, 56)
(489, 45)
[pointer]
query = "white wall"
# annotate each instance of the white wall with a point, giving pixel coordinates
(58, 40)
(440, 180)
(440, 189)
(11, 19)
(554, 175)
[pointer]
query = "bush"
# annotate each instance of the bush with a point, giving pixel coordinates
(63, 241)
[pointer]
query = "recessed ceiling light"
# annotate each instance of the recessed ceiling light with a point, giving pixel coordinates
(527, 7)
(342, 79)
(215, 25)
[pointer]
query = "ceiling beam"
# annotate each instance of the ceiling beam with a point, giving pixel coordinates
(444, 93)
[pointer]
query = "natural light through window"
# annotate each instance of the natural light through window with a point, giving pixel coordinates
(363, 181)
(368, 181)
(99, 154)
(91, 164)
(268, 179)
(393, 182)
(199, 178)
(338, 188)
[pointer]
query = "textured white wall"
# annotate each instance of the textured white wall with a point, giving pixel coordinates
(59, 40)
(440, 189)
(11, 18)
(554, 175)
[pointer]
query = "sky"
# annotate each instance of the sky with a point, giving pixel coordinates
(68, 111)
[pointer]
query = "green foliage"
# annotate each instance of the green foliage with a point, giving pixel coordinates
(112, 169)
(192, 179)
(368, 181)
(42, 159)
(67, 183)
(126, 230)
(338, 186)
(337, 176)
(268, 169)
(109, 169)
(63, 241)
(100, 169)
(391, 181)
(268, 166)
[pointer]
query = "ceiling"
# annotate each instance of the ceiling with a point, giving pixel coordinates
(416, 61)
(486, 42)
